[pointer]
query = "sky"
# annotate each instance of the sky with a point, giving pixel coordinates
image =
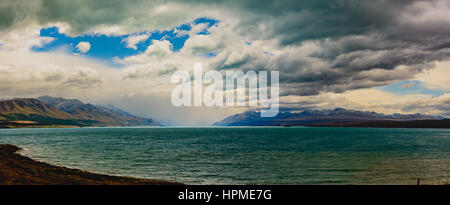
(382, 56)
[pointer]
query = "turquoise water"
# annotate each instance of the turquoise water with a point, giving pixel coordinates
(247, 155)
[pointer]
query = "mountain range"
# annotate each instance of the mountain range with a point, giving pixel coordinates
(334, 117)
(49, 111)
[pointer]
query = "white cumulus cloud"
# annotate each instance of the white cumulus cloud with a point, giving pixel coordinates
(83, 47)
(133, 40)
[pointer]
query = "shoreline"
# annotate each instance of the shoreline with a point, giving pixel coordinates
(16, 169)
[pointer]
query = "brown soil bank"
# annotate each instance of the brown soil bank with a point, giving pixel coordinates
(16, 169)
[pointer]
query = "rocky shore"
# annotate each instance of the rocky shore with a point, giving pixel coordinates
(16, 169)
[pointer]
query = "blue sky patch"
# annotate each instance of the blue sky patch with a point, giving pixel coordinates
(107, 48)
(411, 87)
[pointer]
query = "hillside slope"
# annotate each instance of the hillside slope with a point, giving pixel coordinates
(106, 116)
(29, 106)
(56, 112)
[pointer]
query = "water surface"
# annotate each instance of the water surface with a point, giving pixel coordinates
(246, 155)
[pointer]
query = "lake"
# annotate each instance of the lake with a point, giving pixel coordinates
(246, 155)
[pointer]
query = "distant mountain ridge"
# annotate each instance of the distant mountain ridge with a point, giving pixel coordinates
(31, 106)
(315, 117)
(51, 111)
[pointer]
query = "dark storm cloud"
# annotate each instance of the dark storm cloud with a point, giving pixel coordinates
(356, 44)
(291, 21)
(86, 15)
(358, 69)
